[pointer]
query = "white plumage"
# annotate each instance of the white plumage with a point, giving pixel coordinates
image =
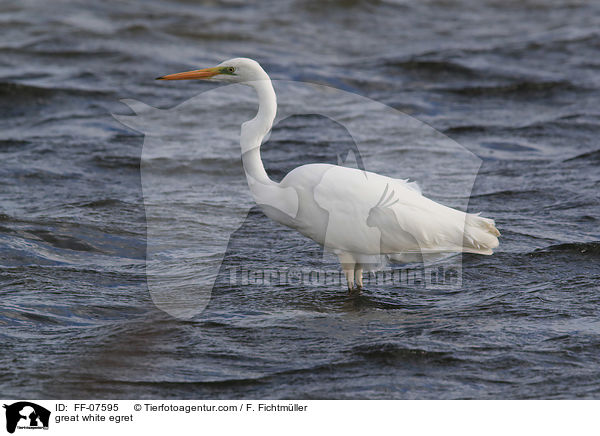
(359, 215)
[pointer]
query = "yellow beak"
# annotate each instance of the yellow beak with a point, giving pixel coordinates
(206, 73)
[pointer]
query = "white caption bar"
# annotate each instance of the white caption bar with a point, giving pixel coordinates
(261, 417)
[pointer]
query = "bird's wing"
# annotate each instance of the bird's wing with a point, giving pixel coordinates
(374, 214)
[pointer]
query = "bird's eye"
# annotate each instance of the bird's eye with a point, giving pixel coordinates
(230, 70)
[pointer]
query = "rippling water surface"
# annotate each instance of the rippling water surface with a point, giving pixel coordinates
(516, 84)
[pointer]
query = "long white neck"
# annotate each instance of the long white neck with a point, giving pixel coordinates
(277, 202)
(254, 131)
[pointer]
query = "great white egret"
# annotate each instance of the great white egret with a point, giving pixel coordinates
(359, 215)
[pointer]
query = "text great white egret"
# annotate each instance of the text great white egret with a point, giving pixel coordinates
(359, 215)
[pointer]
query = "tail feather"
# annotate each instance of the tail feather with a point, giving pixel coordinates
(481, 235)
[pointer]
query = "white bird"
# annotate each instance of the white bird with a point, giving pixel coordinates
(359, 215)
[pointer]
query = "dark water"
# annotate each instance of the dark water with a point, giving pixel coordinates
(517, 84)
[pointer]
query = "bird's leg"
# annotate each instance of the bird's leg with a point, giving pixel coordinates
(349, 273)
(348, 263)
(358, 276)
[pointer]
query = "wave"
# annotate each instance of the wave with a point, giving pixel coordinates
(431, 66)
(62, 316)
(588, 249)
(562, 123)
(110, 162)
(389, 351)
(105, 202)
(205, 166)
(25, 93)
(63, 241)
(589, 156)
(508, 193)
(519, 89)
(13, 144)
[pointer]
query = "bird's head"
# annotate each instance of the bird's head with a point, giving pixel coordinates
(238, 70)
